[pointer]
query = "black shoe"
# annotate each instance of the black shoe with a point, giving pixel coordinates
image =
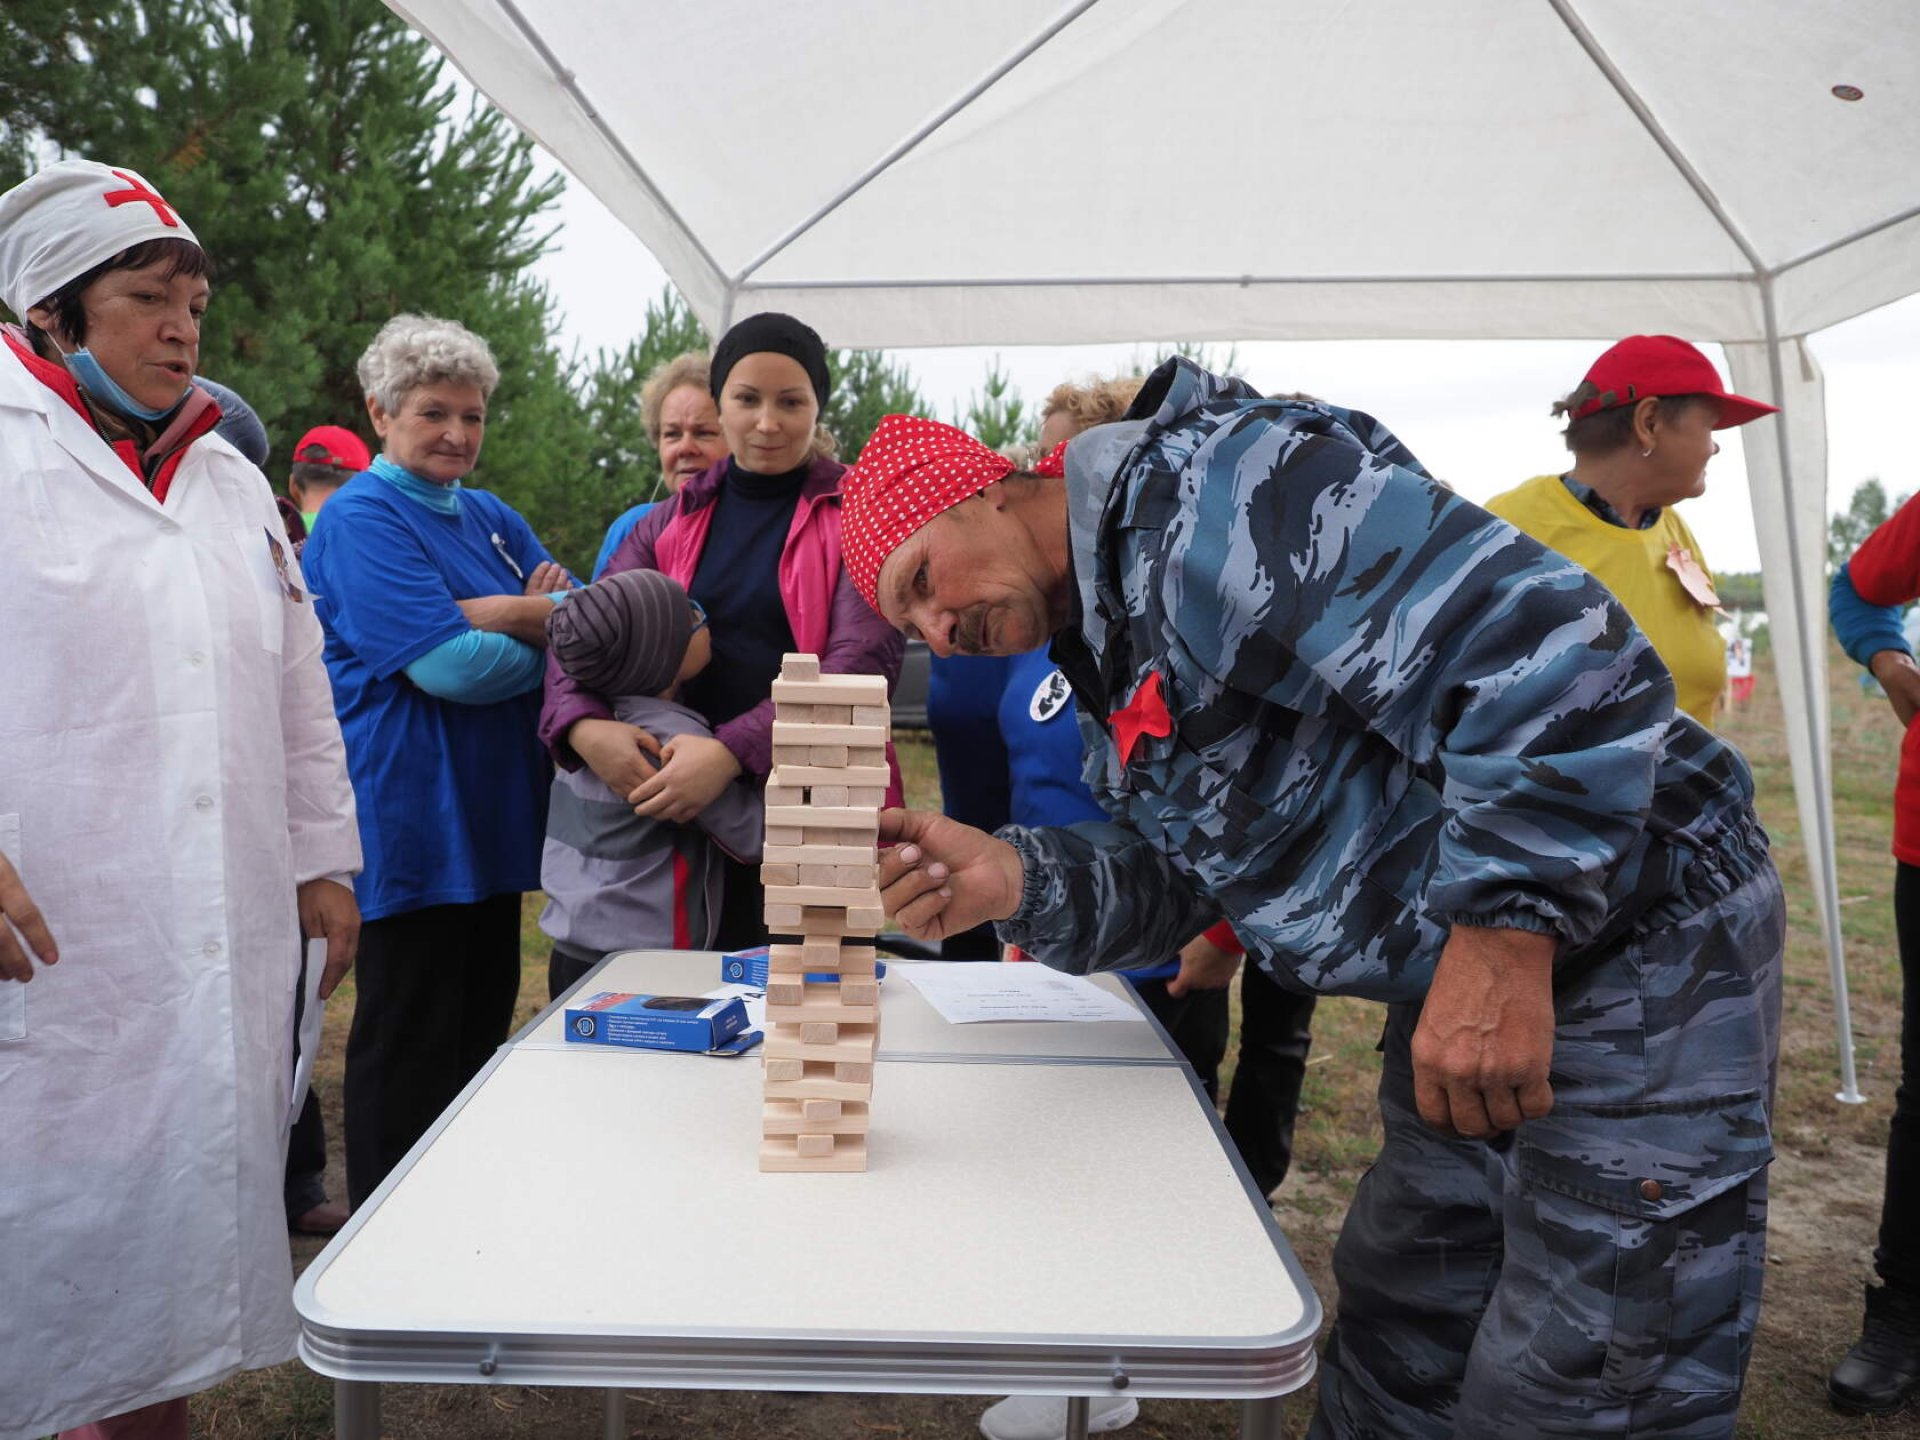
(1882, 1371)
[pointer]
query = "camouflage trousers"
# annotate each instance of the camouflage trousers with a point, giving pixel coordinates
(1598, 1271)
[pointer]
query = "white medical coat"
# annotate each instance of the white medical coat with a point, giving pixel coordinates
(170, 768)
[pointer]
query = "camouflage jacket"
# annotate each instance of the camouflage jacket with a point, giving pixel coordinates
(1386, 712)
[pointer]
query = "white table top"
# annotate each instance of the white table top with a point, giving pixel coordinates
(910, 1028)
(591, 1215)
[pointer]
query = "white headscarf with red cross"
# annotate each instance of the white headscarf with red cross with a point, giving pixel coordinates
(67, 218)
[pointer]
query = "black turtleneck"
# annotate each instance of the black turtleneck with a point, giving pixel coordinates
(738, 584)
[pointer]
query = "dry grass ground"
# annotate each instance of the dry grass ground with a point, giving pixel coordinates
(1826, 1182)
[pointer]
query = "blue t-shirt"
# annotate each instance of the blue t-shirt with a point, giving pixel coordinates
(963, 711)
(618, 531)
(452, 797)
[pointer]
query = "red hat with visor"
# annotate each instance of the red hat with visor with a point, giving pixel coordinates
(1663, 366)
(333, 445)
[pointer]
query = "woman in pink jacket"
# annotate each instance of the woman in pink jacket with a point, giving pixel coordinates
(756, 542)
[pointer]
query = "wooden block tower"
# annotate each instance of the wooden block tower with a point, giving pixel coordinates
(820, 870)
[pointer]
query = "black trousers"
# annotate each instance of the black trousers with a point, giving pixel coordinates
(1196, 1022)
(1897, 1258)
(1276, 1031)
(305, 1184)
(436, 989)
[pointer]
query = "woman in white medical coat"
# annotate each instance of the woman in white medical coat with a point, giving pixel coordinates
(173, 802)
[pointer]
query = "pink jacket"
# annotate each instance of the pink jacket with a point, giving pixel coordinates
(828, 615)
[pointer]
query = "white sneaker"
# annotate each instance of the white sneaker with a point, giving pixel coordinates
(1044, 1417)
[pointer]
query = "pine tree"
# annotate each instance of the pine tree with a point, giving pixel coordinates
(867, 384)
(997, 415)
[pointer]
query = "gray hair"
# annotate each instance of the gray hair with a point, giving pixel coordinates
(415, 350)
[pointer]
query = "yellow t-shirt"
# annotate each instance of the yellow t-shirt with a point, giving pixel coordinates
(1633, 565)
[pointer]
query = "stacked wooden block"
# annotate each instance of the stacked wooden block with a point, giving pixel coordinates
(820, 869)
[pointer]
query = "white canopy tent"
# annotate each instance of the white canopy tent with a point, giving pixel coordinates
(1061, 171)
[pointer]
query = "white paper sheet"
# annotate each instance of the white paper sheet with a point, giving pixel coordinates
(969, 993)
(312, 1014)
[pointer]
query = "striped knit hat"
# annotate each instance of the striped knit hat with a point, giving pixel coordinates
(623, 635)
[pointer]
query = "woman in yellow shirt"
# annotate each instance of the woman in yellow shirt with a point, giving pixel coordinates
(1640, 427)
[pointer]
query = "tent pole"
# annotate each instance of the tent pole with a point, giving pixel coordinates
(1849, 1092)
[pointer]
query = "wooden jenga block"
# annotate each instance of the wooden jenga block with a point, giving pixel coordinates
(843, 819)
(785, 837)
(855, 990)
(869, 715)
(818, 1083)
(865, 690)
(818, 1032)
(855, 1043)
(786, 874)
(811, 1110)
(800, 732)
(781, 1154)
(785, 990)
(801, 773)
(791, 757)
(823, 920)
(864, 795)
(829, 755)
(812, 1146)
(853, 1072)
(784, 795)
(784, 1117)
(812, 895)
(827, 794)
(803, 714)
(799, 667)
(866, 757)
(835, 855)
(824, 715)
(858, 876)
(818, 875)
(779, 1070)
(820, 1003)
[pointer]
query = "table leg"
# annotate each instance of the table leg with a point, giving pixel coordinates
(1079, 1408)
(614, 1425)
(1262, 1419)
(356, 1410)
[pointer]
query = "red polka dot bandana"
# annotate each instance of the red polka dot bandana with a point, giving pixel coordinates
(1053, 464)
(910, 470)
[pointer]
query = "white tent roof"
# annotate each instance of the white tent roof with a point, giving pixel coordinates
(1059, 171)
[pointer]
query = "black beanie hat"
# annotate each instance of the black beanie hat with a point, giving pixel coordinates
(623, 635)
(777, 334)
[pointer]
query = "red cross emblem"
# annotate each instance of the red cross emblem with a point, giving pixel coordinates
(139, 194)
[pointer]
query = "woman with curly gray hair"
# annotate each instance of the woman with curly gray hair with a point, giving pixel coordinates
(434, 598)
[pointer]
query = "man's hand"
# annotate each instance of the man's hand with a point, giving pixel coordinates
(19, 913)
(944, 877)
(1204, 966)
(329, 912)
(621, 755)
(694, 769)
(1484, 1045)
(1900, 678)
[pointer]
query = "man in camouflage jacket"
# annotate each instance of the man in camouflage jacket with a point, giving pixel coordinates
(1411, 755)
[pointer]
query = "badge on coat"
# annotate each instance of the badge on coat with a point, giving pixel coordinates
(1050, 697)
(1693, 579)
(277, 548)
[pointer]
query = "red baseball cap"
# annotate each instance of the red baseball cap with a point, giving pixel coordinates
(333, 445)
(1658, 365)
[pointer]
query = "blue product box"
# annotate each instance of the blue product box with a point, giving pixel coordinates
(657, 1022)
(749, 967)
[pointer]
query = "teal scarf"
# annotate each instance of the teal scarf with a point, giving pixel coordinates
(443, 499)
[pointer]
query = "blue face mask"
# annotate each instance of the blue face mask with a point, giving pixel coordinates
(95, 380)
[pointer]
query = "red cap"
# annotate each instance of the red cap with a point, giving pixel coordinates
(333, 445)
(1658, 365)
(910, 470)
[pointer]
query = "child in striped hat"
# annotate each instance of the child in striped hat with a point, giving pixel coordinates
(615, 879)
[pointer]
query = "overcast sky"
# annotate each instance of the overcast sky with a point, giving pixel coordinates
(1476, 412)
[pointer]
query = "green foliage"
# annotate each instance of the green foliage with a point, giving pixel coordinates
(867, 384)
(997, 416)
(1740, 590)
(1866, 511)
